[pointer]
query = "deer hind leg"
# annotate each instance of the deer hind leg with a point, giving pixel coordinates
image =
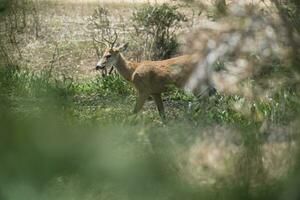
(140, 101)
(160, 105)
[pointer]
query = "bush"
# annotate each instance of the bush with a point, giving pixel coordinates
(101, 25)
(160, 22)
(113, 84)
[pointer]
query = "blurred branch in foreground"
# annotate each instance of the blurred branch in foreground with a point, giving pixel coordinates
(256, 49)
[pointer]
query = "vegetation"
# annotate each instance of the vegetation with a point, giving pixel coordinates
(161, 22)
(69, 138)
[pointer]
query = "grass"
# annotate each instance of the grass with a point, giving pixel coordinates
(67, 133)
(89, 146)
(111, 94)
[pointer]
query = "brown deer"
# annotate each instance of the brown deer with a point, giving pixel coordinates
(150, 78)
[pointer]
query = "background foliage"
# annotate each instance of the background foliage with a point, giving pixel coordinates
(68, 138)
(160, 22)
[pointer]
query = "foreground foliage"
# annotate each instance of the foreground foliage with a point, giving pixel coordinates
(68, 140)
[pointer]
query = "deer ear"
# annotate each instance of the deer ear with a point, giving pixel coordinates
(123, 47)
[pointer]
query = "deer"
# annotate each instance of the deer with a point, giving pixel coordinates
(149, 78)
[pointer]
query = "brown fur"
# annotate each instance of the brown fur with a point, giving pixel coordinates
(150, 77)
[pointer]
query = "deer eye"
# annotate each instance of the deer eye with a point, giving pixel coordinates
(108, 56)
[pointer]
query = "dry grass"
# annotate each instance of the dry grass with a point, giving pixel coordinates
(66, 33)
(66, 39)
(109, 1)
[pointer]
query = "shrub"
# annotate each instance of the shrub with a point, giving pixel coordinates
(160, 22)
(113, 84)
(101, 25)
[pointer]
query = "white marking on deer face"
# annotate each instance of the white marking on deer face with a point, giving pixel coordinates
(108, 59)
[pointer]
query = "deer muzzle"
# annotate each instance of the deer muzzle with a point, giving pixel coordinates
(100, 66)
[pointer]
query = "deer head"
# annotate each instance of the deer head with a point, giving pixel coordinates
(108, 59)
(110, 56)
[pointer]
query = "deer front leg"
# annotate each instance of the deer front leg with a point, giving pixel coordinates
(104, 72)
(141, 98)
(160, 105)
(111, 70)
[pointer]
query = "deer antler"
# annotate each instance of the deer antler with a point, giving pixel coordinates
(114, 41)
(98, 41)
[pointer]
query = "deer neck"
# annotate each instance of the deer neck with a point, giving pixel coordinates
(124, 67)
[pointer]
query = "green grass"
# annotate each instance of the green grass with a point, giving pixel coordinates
(69, 140)
(114, 96)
